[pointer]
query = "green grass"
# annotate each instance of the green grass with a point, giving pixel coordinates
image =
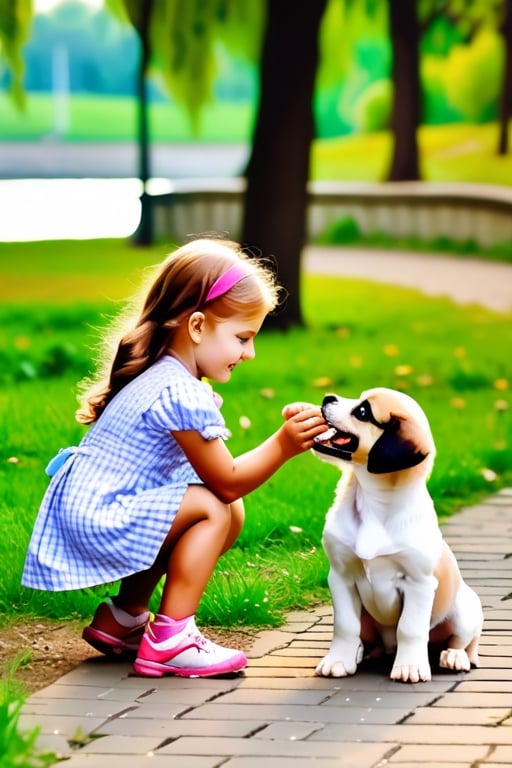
(453, 359)
(18, 748)
(449, 153)
(346, 232)
(96, 118)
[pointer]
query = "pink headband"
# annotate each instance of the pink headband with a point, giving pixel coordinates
(226, 281)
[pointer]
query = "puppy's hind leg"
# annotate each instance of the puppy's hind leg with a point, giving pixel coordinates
(466, 623)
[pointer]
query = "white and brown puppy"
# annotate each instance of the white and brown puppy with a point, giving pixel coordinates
(395, 583)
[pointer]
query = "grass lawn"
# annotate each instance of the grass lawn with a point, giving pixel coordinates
(464, 153)
(454, 360)
(96, 118)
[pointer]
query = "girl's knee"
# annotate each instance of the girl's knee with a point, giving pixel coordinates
(199, 503)
(237, 515)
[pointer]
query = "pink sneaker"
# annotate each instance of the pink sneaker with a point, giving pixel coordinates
(128, 630)
(185, 654)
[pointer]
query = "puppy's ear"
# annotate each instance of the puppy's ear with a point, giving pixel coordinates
(393, 452)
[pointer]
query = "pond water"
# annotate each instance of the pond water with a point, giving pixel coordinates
(59, 209)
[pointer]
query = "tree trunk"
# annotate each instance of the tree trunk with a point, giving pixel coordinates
(506, 88)
(404, 31)
(278, 170)
(144, 234)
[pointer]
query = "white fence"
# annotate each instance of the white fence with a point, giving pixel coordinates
(460, 212)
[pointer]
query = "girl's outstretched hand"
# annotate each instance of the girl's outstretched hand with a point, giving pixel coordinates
(304, 422)
(293, 408)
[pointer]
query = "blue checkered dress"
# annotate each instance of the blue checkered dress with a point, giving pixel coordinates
(112, 500)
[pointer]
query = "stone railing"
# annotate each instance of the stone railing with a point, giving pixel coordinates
(459, 212)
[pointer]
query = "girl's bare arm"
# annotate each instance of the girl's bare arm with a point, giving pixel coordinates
(230, 478)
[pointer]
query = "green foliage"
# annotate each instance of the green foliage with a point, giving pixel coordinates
(346, 231)
(341, 232)
(15, 20)
(200, 47)
(182, 41)
(18, 748)
(372, 111)
(473, 75)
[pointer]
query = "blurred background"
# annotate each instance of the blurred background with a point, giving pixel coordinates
(274, 121)
(70, 94)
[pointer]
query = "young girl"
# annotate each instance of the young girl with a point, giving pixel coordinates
(152, 489)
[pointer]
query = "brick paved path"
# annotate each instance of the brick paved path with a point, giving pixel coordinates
(279, 715)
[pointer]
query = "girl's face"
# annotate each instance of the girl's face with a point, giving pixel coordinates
(224, 344)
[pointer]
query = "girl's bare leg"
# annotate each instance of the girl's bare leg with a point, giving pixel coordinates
(203, 530)
(194, 545)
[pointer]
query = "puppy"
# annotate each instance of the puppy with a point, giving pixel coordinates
(395, 583)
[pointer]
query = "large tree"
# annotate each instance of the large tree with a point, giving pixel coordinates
(179, 37)
(506, 89)
(278, 170)
(404, 31)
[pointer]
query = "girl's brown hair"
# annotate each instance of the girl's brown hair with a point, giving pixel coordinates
(141, 334)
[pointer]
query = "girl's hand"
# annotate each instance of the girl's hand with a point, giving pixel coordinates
(303, 423)
(293, 408)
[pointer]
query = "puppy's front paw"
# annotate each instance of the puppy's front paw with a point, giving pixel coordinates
(411, 673)
(456, 659)
(334, 666)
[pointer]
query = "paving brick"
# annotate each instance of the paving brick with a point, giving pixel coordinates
(52, 742)
(312, 651)
(421, 764)
(264, 749)
(464, 700)
(357, 756)
(267, 713)
(121, 745)
(265, 642)
(88, 708)
(439, 754)
(275, 696)
(57, 725)
(455, 716)
(402, 696)
(415, 734)
(502, 754)
(494, 673)
(500, 635)
(139, 761)
(486, 686)
(161, 728)
(273, 670)
(289, 731)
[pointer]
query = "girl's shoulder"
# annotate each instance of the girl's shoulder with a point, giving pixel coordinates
(169, 381)
(182, 402)
(169, 373)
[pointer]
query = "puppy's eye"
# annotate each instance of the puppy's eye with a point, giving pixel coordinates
(363, 412)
